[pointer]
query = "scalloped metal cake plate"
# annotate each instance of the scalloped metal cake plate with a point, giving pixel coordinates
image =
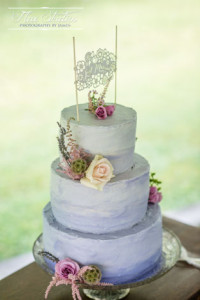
(171, 251)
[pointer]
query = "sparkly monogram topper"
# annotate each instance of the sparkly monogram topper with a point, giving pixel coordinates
(96, 69)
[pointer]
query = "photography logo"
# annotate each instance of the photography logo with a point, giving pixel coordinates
(45, 18)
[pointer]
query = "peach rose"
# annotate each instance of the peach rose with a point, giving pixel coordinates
(98, 174)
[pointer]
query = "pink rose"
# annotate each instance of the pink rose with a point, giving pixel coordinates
(153, 190)
(102, 172)
(101, 113)
(154, 195)
(65, 267)
(110, 110)
(159, 197)
(98, 174)
(153, 198)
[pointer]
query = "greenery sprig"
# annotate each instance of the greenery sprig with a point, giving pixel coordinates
(71, 142)
(61, 142)
(154, 181)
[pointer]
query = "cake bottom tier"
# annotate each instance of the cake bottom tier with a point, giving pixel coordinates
(122, 256)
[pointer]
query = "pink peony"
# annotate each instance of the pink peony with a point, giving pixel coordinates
(101, 113)
(65, 267)
(154, 195)
(110, 110)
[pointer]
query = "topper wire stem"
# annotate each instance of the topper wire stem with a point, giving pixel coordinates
(75, 75)
(116, 64)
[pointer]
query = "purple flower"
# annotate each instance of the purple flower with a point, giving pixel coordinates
(154, 195)
(65, 267)
(110, 110)
(101, 113)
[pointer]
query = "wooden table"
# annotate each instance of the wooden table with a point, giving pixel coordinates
(182, 282)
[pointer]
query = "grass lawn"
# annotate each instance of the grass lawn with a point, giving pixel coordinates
(158, 75)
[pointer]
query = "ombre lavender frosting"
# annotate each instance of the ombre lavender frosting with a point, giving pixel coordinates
(122, 256)
(113, 229)
(121, 204)
(114, 137)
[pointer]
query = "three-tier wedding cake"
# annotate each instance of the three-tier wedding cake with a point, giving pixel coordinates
(104, 218)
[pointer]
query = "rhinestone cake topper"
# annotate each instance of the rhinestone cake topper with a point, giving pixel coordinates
(96, 69)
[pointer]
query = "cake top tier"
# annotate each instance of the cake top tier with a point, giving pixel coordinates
(121, 116)
(113, 137)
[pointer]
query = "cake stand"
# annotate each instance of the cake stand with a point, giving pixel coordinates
(171, 252)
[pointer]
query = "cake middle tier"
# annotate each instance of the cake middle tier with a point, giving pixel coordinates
(121, 204)
(114, 137)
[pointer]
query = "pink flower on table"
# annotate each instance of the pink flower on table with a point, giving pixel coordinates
(101, 113)
(110, 110)
(65, 267)
(154, 195)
